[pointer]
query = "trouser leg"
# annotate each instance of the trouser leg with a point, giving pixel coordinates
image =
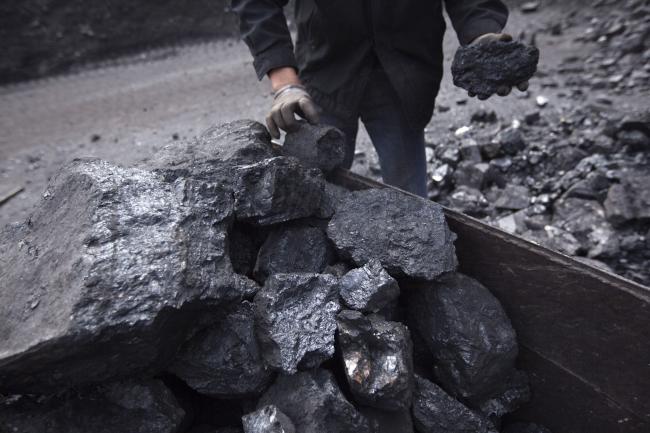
(400, 147)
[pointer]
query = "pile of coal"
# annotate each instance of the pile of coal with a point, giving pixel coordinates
(567, 173)
(228, 287)
(484, 68)
(574, 181)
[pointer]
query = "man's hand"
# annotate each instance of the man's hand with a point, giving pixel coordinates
(486, 39)
(290, 98)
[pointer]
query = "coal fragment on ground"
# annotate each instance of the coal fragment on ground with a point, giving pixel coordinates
(296, 320)
(513, 197)
(485, 67)
(317, 146)
(369, 288)
(110, 288)
(408, 235)
(224, 360)
(315, 404)
(294, 249)
(377, 359)
(629, 200)
(140, 406)
(268, 419)
(434, 411)
(466, 330)
(511, 141)
(276, 190)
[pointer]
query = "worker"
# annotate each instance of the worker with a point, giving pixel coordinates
(375, 60)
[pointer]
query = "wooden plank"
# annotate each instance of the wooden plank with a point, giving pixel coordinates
(587, 325)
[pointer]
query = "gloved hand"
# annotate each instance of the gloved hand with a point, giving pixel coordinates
(491, 37)
(288, 101)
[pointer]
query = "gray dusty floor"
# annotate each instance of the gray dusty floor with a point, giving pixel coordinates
(125, 111)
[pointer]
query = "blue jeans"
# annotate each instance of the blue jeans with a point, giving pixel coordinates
(400, 147)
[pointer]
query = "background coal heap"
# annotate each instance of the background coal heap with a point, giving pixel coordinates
(161, 299)
(572, 171)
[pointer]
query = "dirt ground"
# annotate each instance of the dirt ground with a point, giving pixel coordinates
(127, 109)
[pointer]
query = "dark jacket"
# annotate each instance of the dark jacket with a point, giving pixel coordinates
(340, 41)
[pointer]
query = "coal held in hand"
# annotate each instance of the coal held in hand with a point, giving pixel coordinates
(483, 68)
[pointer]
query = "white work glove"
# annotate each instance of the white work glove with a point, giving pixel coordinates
(288, 101)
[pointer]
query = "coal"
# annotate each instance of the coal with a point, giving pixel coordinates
(485, 67)
(315, 404)
(116, 284)
(292, 249)
(396, 229)
(434, 411)
(523, 427)
(317, 146)
(268, 419)
(511, 141)
(276, 190)
(513, 197)
(369, 288)
(466, 330)
(629, 200)
(511, 395)
(136, 406)
(224, 360)
(215, 153)
(383, 421)
(296, 320)
(471, 174)
(332, 196)
(377, 358)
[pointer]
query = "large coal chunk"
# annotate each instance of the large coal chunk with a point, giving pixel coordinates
(215, 152)
(378, 360)
(294, 249)
(296, 320)
(315, 404)
(106, 276)
(268, 419)
(277, 190)
(369, 288)
(317, 146)
(483, 68)
(224, 360)
(146, 406)
(469, 335)
(408, 235)
(434, 411)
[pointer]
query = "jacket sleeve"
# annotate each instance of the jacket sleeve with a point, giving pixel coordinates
(473, 18)
(264, 28)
